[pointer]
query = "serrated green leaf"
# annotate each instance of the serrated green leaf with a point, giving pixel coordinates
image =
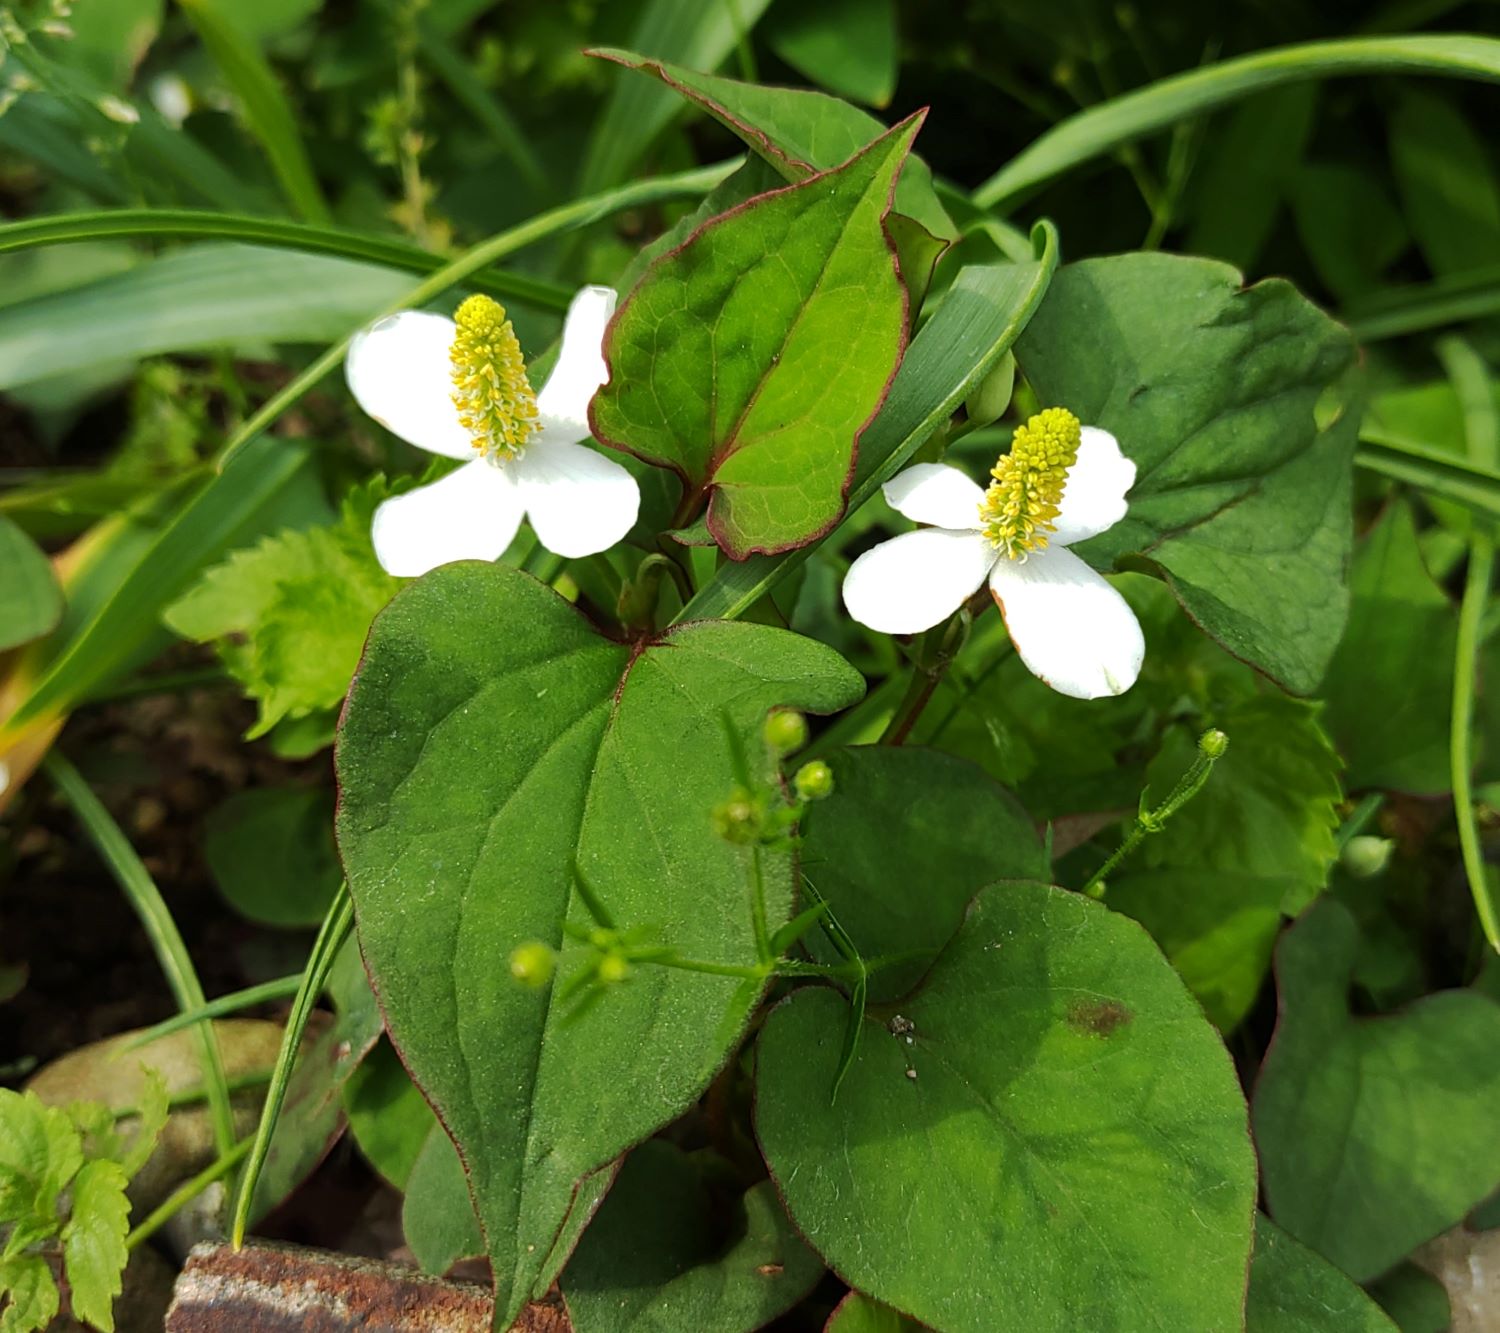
(40, 1151)
(654, 1257)
(1293, 1290)
(291, 614)
(493, 736)
(901, 816)
(31, 603)
(29, 1294)
(1240, 498)
(1375, 1133)
(152, 1104)
(1387, 707)
(750, 360)
(1062, 1115)
(94, 1252)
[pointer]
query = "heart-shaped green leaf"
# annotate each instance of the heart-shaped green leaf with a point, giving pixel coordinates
(1240, 497)
(1051, 1110)
(1375, 1133)
(1387, 706)
(1293, 1290)
(750, 359)
(492, 735)
(661, 1256)
(907, 839)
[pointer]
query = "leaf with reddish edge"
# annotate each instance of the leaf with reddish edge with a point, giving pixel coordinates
(474, 767)
(750, 359)
(799, 133)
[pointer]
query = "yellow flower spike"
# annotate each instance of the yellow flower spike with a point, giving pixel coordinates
(1022, 503)
(495, 401)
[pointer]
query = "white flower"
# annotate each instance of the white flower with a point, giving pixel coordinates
(458, 387)
(1060, 484)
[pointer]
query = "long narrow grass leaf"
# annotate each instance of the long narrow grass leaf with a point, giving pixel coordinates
(1471, 380)
(335, 929)
(166, 940)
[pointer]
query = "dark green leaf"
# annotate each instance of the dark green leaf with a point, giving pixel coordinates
(750, 360)
(1376, 1133)
(437, 1216)
(272, 855)
(474, 767)
(1057, 1114)
(846, 46)
(1292, 1290)
(388, 1116)
(901, 847)
(1415, 1299)
(662, 1254)
(1210, 387)
(1387, 707)
(1447, 180)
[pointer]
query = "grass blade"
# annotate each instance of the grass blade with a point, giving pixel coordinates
(166, 940)
(266, 110)
(1430, 470)
(158, 224)
(1471, 380)
(1105, 127)
(335, 928)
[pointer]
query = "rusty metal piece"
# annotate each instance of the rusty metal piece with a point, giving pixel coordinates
(266, 1288)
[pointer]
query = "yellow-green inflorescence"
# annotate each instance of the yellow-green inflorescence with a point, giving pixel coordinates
(494, 398)
(1022, 503)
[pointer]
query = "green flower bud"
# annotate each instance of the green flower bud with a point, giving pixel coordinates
(613, 968)
(991, 396)
(1212, 744)
(533, 964)
(1366, 856)
(738, 819)
(785, 732)
(814, 781)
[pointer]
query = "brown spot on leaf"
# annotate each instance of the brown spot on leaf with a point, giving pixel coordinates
(1098, 1018)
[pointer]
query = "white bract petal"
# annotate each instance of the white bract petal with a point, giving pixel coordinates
(580, 368)
(578, 501)
(914, 581)
(1070, 627)
(399, 371)
(471, 514)
(1094, 498)
(936, 494)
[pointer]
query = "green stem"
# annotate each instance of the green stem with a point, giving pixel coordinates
(1482, 429)
(579, 213)
(225, 1004)
(758, 907)
(185, 1193)
(335, 929)
(1210, 748)
(152, 912)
